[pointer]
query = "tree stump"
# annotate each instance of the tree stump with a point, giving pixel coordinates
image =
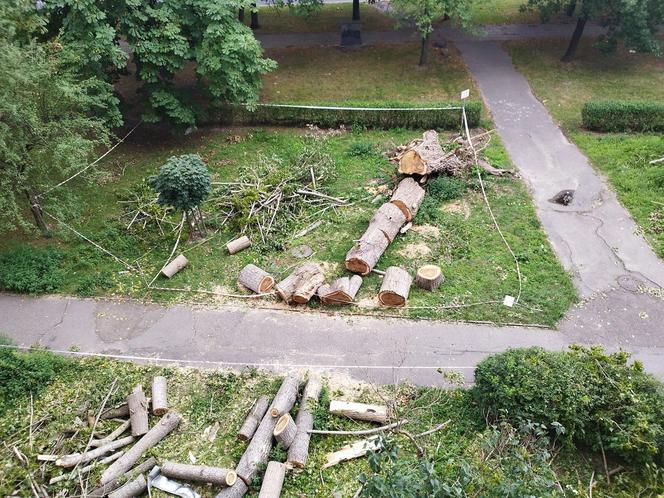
(254, 416)
(298, 453)
(429, 277)
(273, 480)
(425, 158)
(408, 196)
(364, 255)
(174, 266)
(138, 411)
(395, 287)
(341, 291)
(285, 430)
(159, 398)
(237, 245)
(388, 219)
(256, 279)
(199, 473)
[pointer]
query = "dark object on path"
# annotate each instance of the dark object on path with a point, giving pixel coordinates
(351, 34)
(564, 197)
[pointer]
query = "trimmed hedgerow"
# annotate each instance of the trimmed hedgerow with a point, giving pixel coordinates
(617, 116)
(584, 396)
(449, 119)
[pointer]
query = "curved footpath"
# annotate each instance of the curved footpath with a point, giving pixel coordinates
(615, 271)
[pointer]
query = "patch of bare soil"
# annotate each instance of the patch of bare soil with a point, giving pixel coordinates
(415, 250)
(427, 231)
(460, 208)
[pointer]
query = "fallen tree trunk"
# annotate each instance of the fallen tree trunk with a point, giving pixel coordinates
(351, 451)
(425, 157)
(255, 279)
(117, 482)
(298, 453)
(407, 197)
(273, 480)
(131, 489)
(388, 219)
(360, 411)
(174, 266)
(429, 277)
(254, 416)
(299, 284)
(364, 255)
(341, 291)
(159, 397)
(138, 411)
(78, 458)
(199, 473)
(285, 430)
(395, 287)
(167, 423)
(237, 245)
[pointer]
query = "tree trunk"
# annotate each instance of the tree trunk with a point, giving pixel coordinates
(255, 279)
(285, 430)
(237, 245)
(360, 411)
(254, 17)
(341, 291)
(425, 157)
(38, 214)
(356, 10)
(175, 266)
(364, 255)
(131, 489)
(78, 458)
(576, 39)
(159, 397)
(424, 51)
(240, 15)
(571, 8)
(298, 453)
(237, 490)
(163, 428)
(396, 287)
(138, 411)
(388, 219)
(254, 416)
(429, 277)
(273, 480)
(285, 397)
(408, 196)
(115, 483)
(199, 473)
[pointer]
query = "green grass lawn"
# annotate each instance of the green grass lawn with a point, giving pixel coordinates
(371, 74)
(471, 457)
(623, 158)
(457, 234)
(328, 19)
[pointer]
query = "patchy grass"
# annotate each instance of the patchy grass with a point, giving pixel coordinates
(468, 455)
(459, 234)
(328, 19)
(371, 74)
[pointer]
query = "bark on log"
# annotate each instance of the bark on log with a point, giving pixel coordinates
(260, 445)
(237, 245)
(285, 430)
(273, 480)
(159, 397)
(77, 458)
(237, 490)
(120, 411)
(360, 411)
(425, 158)
(138, 411)
(256, 279)
(408, 196)
(388, 219)
(174, 266)
(199, 473)
(395, 287)
(351, 451)
(116, 483)
(131, 489)
(96, 443)
(341, 291)
(296, 286)
(298, 453)
(167, 423)
(254, 416)
(365, 254)
(429, 277)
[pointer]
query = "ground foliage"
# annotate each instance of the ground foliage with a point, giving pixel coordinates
(31, 270)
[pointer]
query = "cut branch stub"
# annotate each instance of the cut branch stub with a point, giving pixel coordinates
(395, 287)
(429, 277)
(256, 279)
(364, 255)
(285, 430)
(408, 196)
(388, 219)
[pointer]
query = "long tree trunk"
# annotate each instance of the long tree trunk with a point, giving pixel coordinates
(356, 10)
(36, 210)
(576, 39)
(424, 52)
(254, 17)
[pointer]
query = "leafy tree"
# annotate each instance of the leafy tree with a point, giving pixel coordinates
(164, 37)
(184, 183)
(425, 13)
(633, 21)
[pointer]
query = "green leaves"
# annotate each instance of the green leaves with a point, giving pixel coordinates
(183, 182)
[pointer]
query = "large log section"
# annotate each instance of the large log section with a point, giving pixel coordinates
(408, 196)
(302, 284)
(298, 453)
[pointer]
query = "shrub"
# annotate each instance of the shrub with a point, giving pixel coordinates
(300, 116)
(617, 116)
(361, 149)
(31, 270)
(599, 399)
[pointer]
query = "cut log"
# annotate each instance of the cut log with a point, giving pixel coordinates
(360, 411)
(254, 416)
(351, 451)
(260, 445)
(408, 196)
(237, 245)
(174, 266)
(388, 219)
(199, 473)
(273, 480)
(341, 291)
(298, 284)
(167, 423)
(237, 490)
(365, 254)
(129, 476)
(138, 411)
(285, 430)
(96, 443)
(395, 287)
(132, 488)
(429, 277)
(159, 397)
(298, 453)
(120, 411)
(255, 279)
(78, 458)
(426, 157)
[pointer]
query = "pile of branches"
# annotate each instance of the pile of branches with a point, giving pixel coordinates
(270, 195)
(141, 210)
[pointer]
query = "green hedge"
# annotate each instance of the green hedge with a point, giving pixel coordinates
(290, 116)
(617, 116)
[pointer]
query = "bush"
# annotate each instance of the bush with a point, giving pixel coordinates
(618, 116)
(599, 399)
(300, 116)
(30, 270)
